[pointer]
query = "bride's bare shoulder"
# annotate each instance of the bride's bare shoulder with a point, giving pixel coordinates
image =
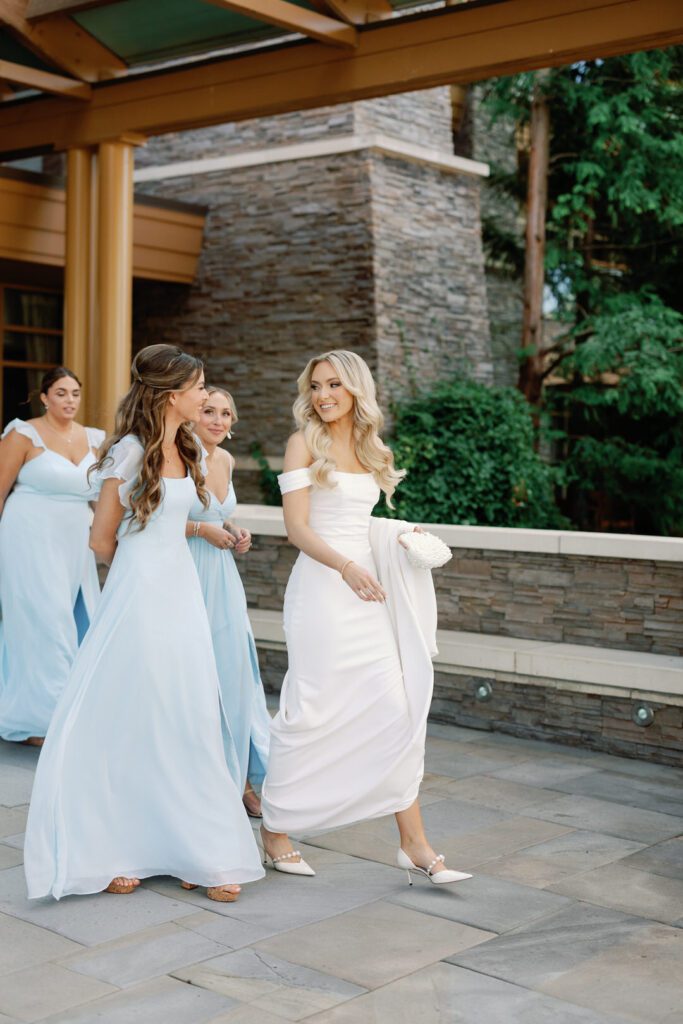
(297, 455)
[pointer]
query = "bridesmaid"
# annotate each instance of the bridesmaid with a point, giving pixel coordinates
(48, 577)
(348, 742)
(212, 540)
(133, 780)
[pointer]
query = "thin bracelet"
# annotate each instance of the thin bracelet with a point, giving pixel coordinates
(195, 529)
(341, 571)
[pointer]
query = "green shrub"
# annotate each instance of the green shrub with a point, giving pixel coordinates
(469, 452)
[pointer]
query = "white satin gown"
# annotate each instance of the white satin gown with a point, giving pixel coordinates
(344, 747)
(133, 778)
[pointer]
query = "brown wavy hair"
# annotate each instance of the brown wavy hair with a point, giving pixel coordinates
(156, 371)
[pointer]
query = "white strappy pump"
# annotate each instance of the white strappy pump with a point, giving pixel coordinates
(284, 863)
(444, 877)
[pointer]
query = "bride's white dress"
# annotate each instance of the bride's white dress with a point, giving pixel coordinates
(343, 745)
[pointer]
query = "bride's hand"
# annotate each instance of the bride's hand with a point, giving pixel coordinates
(363, 583)
(216, 535)
(416, 529)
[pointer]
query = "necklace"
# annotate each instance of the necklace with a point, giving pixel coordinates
(60, 433)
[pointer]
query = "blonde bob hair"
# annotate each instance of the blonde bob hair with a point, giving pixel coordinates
(157, 371)
(378, 459)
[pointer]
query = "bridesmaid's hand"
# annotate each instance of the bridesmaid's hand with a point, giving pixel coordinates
(216, 535)
(363, 583)
(242, 538)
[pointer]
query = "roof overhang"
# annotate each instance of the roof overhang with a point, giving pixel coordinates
(465, 42)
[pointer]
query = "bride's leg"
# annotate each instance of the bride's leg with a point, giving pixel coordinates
(414, 842)
(278, 844)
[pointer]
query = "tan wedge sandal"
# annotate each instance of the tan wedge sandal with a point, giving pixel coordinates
(215, 892)
(121, 885)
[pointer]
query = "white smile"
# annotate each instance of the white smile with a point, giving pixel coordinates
(332, 405)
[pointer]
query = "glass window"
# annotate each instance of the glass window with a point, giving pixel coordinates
(31, 340)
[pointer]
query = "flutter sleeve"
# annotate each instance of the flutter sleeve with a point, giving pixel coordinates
(26, 430)
(123, 462)
(295, 480)
(95, 437)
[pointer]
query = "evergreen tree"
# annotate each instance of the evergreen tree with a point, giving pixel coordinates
(613, 265)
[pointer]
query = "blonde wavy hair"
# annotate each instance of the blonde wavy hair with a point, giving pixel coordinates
(378, 459)
(156, 371)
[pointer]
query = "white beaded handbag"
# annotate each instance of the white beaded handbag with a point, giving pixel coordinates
(425, 550)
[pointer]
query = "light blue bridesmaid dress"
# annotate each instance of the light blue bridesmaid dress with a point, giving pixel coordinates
(48, 582)
(233, 643)
(132, 779)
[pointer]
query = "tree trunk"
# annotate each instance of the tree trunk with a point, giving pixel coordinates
(531, 371)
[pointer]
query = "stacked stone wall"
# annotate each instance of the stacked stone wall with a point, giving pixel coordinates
(625, 604)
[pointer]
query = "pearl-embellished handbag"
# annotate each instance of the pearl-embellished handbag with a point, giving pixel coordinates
(425, 550)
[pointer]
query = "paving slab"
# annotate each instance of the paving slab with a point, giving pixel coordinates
(614, 819)
(231, 933)
(451, 817)
(16, 841)
(245, 1013)
(470, 759)
(143, 955)
(650, 794)
(281, 902)
(569, 854)
(375, 944)
(443, 994)
(270, 983)
(492, 904)
(162, 1001)
(88, 919)
(499, 794)
(15, 785)
(9, 856)
(18, 754)
(12, 820)
(640, 979)
(545, 772)
(628, 889)
(37, 992)
(664, 858)
(508, 836)
(549, 947)
(25, 945)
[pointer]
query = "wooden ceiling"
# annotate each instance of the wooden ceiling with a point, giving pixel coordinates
(97, 69)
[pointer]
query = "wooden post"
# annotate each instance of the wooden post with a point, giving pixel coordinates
(114, 273)
(77, 263)
(531, 370)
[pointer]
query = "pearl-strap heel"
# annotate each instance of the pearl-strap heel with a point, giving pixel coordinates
(444, 877)
(286, 864)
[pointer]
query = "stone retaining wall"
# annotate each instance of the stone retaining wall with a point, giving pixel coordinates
(627, 604)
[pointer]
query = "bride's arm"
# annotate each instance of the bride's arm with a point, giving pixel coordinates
(296, 507)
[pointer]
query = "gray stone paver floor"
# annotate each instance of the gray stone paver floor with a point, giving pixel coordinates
(573, 916)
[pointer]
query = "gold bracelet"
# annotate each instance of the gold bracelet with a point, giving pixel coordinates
(341, 571)
(195, 529)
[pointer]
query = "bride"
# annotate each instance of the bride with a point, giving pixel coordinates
(348, 741)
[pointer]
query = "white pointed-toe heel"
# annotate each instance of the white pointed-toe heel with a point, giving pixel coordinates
(444, 877)
(285, 864)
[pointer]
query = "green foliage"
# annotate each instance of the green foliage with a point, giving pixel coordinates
(270, 489)
(469, 452)
(614, 252)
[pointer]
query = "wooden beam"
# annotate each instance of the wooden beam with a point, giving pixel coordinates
(452, 45)
(361, 12)
(294, 18)
(45, 81)
(43, 8)
(62, 42)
